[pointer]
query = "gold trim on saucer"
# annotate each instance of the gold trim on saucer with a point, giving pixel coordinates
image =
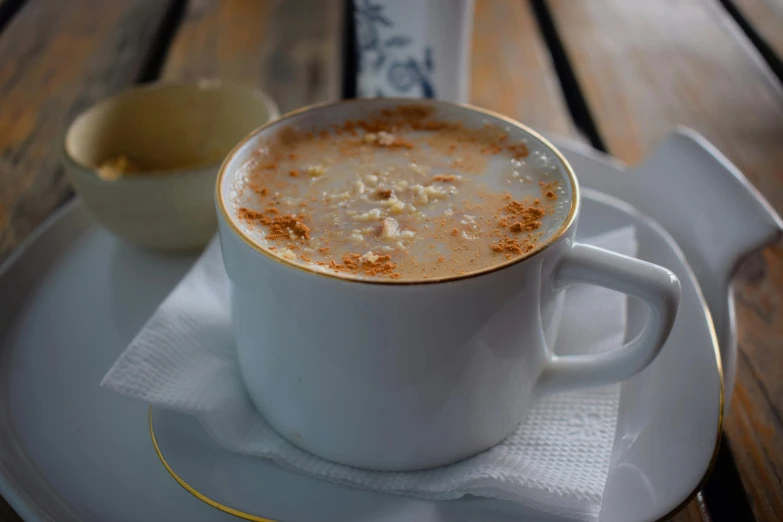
(242, 235)
(190, 489)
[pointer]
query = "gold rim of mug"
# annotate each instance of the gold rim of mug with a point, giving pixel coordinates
(226, 216)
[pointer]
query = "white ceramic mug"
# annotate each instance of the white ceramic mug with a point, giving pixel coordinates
(398, 375)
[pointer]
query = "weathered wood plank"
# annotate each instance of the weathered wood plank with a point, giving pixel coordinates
(755, 421)
(766, 17)
(760, 316)
(290, 49)
(646, 67)
(512, 72)
(755, 432)
(56, 58)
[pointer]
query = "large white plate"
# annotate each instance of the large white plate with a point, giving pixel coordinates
(73, 297)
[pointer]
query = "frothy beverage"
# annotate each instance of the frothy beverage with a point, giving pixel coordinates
(405, 194)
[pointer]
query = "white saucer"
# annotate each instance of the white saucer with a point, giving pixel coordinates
(668, 428)
(74, 296)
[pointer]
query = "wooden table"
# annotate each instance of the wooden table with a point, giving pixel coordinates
(617, 74)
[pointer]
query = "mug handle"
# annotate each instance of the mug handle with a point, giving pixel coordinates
(653, 284)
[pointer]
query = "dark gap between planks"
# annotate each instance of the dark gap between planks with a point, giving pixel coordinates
(575, 100)
(349, 53)
(8, 9)
(151, 69)
(773, 60)
(724, 494)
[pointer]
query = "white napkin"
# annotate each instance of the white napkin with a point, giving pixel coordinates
(557, 461)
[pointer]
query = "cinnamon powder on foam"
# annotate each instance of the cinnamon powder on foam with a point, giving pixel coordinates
(279, 227)
(355, 263)
(517, 217)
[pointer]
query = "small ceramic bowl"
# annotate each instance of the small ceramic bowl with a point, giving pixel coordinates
(175, 136)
